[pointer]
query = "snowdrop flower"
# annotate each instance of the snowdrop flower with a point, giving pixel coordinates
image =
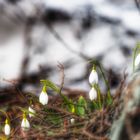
(93, 77)
(72, 120)
(43, 98)
(7, 128)
(137, 60)
(25, 125)
(92, 94)
(31, 112)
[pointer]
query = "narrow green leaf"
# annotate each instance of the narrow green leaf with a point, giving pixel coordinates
(82, 101)
(50, 84)
(80, 108)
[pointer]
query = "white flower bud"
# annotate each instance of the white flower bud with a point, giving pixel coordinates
(31, 112)
(7, 128)
(93, 77)
(43, 98)
(137, 61)
(92, 94)
(72, 120)
(25, 125)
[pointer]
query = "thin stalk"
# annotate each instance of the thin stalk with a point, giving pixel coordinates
(106, 82)
(134, 54)
(99, 95)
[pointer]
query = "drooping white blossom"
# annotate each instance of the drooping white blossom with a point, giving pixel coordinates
(72, 120)
(93, 77)
(43, 98)
(93, 94)
(137, 60)
(31, 112)
(25, 125)
(7, 128)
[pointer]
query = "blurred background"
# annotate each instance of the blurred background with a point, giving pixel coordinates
(36, 35)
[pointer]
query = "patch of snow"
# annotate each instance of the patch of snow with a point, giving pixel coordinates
(29, 7)
(76, 71)
(11, 55)
(109, 11)
(98, 41)
(81, 85)
(54, 51)
(68, 5)
(114, 59)
(131, 20)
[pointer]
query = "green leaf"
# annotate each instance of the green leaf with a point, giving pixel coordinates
(70, 106)
(80, 111)
(82, 101)
(109, 101)
(80, 108)
(96, 105)
(50, 84)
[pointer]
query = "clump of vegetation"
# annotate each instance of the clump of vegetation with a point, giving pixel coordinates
(64, 117)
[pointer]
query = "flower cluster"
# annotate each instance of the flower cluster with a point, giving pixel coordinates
(93, 80)
(74, 107)
(25, 124)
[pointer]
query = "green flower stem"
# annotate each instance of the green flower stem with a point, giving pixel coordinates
(99, 95)
(94, 67)
(135, 53)
(104, 77)
(7, 121)
(107, 84)
(44, 89)
(44, 82)
(95, 104)
(24, 115)
(103, 101)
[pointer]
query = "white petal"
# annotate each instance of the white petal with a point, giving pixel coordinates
(92, 94)
(93, 77)
(7, 129)
(72, 120)
(43, 98)
(25, 124)
(32, 114)
(137, 60)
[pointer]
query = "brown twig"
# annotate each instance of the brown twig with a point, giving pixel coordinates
(18, 90)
